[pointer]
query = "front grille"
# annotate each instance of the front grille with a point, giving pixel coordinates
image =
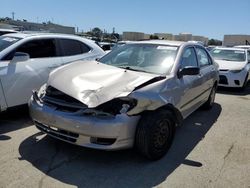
(223, 70)
(58, 133)
(223, 80)
(62, 101)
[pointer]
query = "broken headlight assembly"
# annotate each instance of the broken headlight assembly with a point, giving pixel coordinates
(118, 105)
(41, 92)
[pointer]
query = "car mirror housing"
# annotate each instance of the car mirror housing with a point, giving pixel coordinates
(189, 70)
(20, 56)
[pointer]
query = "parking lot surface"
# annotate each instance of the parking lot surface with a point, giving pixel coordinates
(211, 149)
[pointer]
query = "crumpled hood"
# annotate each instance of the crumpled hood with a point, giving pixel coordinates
(94, 83)
(231, 65)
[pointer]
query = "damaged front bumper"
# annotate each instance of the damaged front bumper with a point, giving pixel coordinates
(107, 133)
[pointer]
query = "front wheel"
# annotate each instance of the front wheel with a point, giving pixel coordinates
(155, 133)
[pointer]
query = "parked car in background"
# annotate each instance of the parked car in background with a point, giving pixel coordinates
(234, 66)
(27, 59)
(243, 47)
(7, 31)
(106, 46)
(210, 47)
(134, 96)
(121, 43)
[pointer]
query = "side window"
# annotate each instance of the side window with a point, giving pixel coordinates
(39, 48)
(203, 57)
(189, 58)
(36, 49)
(73, 47)
(248, 56)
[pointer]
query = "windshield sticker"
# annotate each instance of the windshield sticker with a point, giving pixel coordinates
(9, 39)
(239, 52)
(167, 48)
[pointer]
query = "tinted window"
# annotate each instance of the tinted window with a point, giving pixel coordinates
(248, 56)
(39, 48)
(203, 58)
(189, 58)
(73, 47)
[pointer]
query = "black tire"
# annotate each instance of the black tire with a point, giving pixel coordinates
(210, 101)
(155, 133)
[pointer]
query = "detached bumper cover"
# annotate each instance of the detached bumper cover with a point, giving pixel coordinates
(81, 129)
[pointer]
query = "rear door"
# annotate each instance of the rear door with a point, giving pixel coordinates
(207, 71)
(73, 50)
(20, 78)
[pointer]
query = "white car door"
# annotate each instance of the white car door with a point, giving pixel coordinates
(73, 50)
(20, 76)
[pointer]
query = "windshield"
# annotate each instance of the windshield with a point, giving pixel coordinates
(229, 55)
(7, 41)
(151, 58)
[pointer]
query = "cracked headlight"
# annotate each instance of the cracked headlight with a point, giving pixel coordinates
(41, 92)
(118, 105)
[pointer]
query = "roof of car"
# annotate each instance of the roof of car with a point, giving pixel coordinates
(9, 30)
(168, 42)
(162, 42)
(25, 35)
(229, 48)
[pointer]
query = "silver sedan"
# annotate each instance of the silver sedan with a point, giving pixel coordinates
(135, 95)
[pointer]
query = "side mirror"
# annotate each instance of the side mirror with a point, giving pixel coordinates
(189, 70)
(20, 56)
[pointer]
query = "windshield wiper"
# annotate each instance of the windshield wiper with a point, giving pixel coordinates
(132, 69)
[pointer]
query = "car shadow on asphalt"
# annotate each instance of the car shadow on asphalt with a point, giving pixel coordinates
(14, 119)
(83, 167)
(234, 91)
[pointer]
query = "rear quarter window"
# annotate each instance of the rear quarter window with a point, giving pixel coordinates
(71, 47)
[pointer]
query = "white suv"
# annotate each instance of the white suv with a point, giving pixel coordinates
(27, 59)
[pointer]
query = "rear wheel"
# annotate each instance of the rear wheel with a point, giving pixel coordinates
(155, 133)
(209, 103)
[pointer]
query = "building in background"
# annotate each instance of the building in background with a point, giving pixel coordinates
(164, 36)
(233, 40)
(133, 36)
(202, 39)
(185, 37)
(38, 27)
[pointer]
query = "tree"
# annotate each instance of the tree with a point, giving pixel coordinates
(153, 37)
(215, 42)
(97, 32)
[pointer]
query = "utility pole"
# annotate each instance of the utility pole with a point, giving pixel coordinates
(13, 15)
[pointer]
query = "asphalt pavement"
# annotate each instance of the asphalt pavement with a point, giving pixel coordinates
(211, 149)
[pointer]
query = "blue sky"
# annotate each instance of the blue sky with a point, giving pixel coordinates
(212, 18)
